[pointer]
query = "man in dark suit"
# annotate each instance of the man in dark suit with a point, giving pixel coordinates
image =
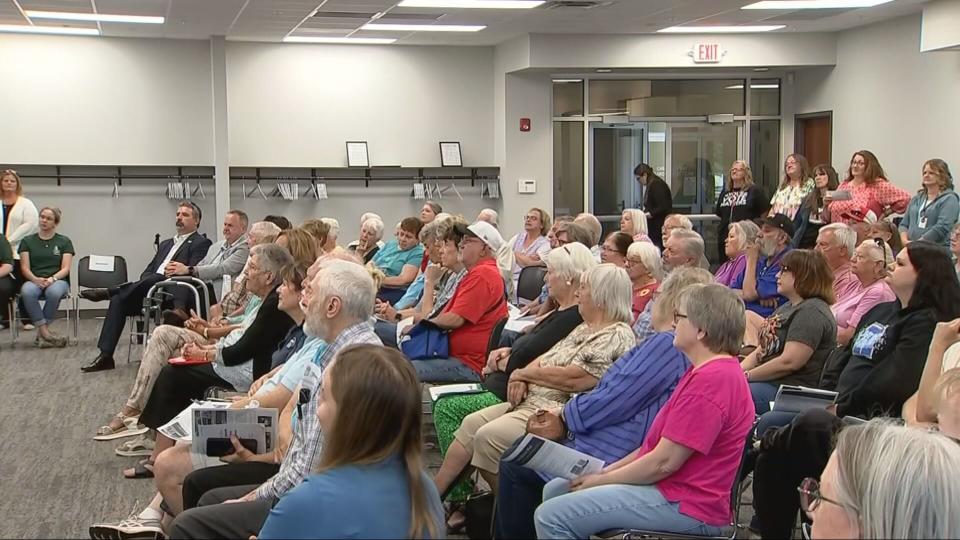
(188, 247)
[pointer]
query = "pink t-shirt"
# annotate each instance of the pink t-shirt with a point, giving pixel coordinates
(850, 310)
(710, 412)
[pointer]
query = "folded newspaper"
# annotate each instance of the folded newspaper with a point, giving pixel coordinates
(797, 399)
(552, 459)
(516, 323)
(437, 392)
(204, 421)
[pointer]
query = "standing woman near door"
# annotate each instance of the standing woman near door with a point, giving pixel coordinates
(934, 209)
(869, 190)
(20, 219)
(813, 213)
(657, 201)
(740, 200)
(796, 185)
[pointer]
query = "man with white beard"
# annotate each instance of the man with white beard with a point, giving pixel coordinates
(338, 304)
(758, 283)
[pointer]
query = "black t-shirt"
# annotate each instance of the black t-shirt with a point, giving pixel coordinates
(737, 205)
(532, 345)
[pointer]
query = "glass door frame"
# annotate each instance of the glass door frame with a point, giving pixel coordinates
(636, 193)
(671, 124)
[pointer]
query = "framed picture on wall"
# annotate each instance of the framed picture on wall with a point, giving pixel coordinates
(357, 154)
(450, 154)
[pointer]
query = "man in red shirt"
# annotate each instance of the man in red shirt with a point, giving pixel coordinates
(477, 305)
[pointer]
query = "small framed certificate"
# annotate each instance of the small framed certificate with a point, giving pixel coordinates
(357, 155)
(450, 154)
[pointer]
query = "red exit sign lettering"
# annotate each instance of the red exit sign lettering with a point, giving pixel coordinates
(707, 53)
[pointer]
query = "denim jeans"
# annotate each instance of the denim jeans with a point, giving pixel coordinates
(445, 370)
(763, 393)
(31, 295)
(612, 506)
(519, 493)
(387, 332)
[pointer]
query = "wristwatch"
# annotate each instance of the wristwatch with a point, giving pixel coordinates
(192, 270)
(398, 317)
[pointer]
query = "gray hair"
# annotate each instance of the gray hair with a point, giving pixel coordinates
(489, 215)
(369, 215)
(843, 236)
(900, 481)
(649, 256)
(569, 262)
(334, 227)
(639, 220)
(430, 231)
(692, 244)
(592, 224)
(242, 216)
(351, 283)
(575, 232)
(682, 220)
(877, 254)
(611, 290)
(719, 312)
(670, 292)
(376, 224)
(746, 232)
(271, 258)
(263, 231)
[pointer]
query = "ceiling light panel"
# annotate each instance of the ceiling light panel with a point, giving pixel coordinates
(423, 27)
(65, 30)
(814, 4)
(472, 4)
(741, 29)
(93, 17)
(340, 40)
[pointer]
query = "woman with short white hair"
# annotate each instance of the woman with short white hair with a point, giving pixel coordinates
(679, 480)
(740, 235)
(634, 223)
(872, 263)
(332, 236)
(573, 365)
(369, 243)
(886, 481)
(645, 269)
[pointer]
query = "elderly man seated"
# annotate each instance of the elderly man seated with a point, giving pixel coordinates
(837, 243)
(758, 283)
(187, 247)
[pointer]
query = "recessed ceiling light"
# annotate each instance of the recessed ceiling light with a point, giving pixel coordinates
(423, 27)
(66, 30)
(719, 29)
(814, 4)
(93, 17)
(473, 4)
(346, 40)
(760, 70)
(604, 70)
(561, 81)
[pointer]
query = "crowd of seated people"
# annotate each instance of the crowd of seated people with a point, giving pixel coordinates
(643, 360)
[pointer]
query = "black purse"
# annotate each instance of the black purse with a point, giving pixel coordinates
(478, 512)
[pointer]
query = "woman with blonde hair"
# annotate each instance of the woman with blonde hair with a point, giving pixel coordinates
(530, 245)
(320, 231)
(933, 211)
(302, 245)
(796, 185)
(872, 263)
(634, 223)
(740, 236)
(20, 219)
(370, 481)
(886, 481)
(740, 200)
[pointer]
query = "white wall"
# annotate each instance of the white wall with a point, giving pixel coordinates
(888, 97)
(297, 105)
(105, 101)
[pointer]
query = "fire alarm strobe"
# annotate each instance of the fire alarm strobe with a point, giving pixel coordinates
(524, 124)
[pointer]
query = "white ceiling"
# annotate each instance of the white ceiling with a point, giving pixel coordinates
(272, 20)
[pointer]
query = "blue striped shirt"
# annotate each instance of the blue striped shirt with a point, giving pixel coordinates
(612, 420)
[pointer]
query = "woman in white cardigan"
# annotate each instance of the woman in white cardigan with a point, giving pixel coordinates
(20, 219)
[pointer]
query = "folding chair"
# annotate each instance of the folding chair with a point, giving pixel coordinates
(530, 283)
(87, 278)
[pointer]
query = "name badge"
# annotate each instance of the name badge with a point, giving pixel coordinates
(922, 222)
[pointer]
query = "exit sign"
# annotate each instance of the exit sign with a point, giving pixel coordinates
(707, 53)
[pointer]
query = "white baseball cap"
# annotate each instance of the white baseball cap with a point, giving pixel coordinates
(488, 233)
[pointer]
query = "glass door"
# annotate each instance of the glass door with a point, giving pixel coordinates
(615, 150)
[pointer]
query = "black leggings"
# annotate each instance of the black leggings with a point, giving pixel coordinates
(175, 389)
(8, 288)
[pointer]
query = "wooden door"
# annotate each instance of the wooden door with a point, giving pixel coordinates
(814, 137)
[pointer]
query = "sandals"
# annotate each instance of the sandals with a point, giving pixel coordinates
(141, 446)
(129, 429)
(143, 469)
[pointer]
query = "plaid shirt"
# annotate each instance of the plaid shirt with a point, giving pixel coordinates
(304, 454)
(237, 297)
(643, 328)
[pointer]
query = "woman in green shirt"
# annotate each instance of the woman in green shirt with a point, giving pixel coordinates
(45, 259)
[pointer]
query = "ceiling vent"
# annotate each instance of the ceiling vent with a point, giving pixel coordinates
(576, 4)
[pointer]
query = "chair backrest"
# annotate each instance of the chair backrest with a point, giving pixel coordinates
(494, 340)
(99, 279)
(530, 282)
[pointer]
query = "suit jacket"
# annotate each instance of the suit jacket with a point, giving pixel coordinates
(191, 252)
(232, 261)
(658, 200)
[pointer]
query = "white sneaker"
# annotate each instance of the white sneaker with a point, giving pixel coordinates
(132, 528)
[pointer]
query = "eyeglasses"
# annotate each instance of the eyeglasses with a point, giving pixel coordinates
(784, 269)
(677, 316)
(810, 496)
(861, 163)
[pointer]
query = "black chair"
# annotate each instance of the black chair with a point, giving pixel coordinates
(92, 278)
(495, 335)
(530, 282)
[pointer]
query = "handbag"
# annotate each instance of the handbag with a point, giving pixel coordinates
(478, 513)
(427, 341)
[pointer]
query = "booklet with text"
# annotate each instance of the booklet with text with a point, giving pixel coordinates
(553, 459)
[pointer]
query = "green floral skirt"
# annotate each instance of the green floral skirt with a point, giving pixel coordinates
(448, 414)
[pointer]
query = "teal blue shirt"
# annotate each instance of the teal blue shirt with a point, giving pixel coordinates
(934, 221)
(391, 260)
(354, 501)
